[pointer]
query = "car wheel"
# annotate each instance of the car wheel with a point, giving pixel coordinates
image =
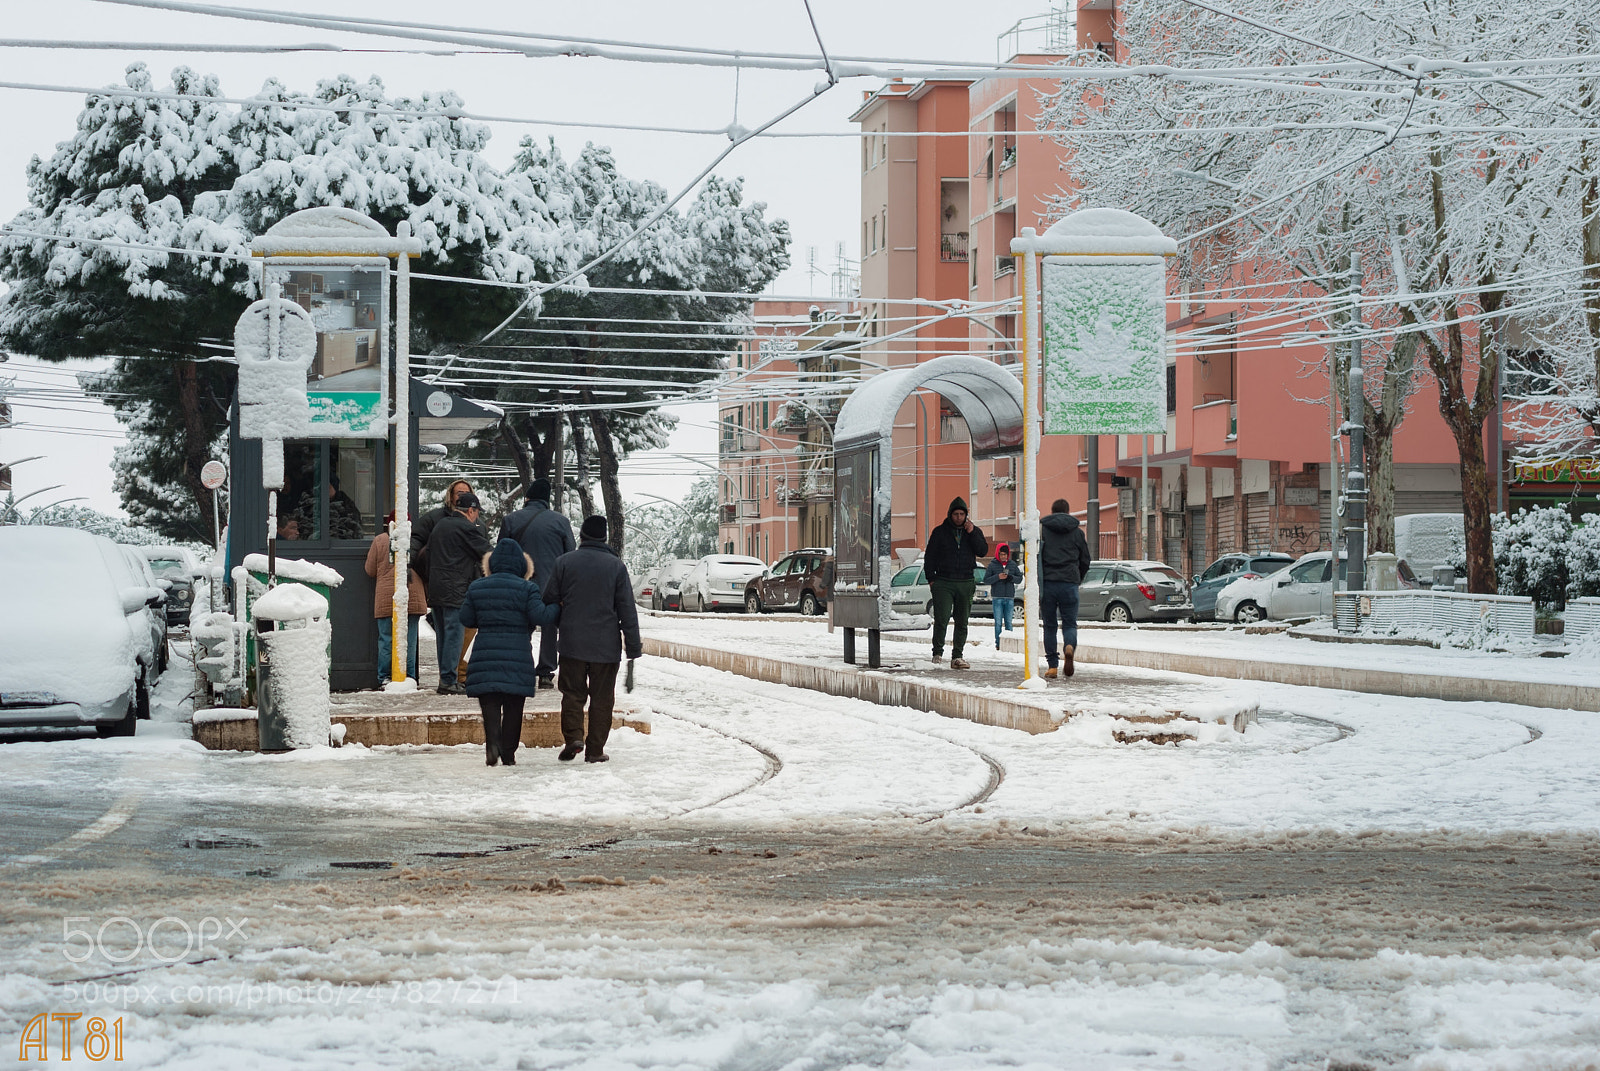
(1248, 613)
(752, 602)
(809, 606)
(141, 700)
(1118, 614)
(162, 658)
(655, 602)
(124, 727)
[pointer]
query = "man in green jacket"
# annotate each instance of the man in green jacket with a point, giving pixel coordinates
(950, 560)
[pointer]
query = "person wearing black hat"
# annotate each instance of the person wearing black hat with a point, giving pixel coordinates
(455, 551)
(544, 536)
(599, 621)
(951, 560)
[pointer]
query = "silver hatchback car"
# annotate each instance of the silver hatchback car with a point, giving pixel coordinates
(1125, 591)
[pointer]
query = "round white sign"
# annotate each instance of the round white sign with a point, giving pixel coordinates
(439, 403)
(212, 474)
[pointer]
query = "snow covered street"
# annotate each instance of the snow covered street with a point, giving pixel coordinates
(779, 878)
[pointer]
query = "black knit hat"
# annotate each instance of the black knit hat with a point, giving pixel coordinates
(594, 527)
(957, 503)
(539, 490)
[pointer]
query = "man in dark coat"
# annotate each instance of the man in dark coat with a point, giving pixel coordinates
(951, 560)
(455, 551)
(505, 607)
(423, 527)
(1063, 560)
(598, 619)
(420, 532)
(544, 536)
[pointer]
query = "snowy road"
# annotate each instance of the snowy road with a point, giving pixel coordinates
(776, 878)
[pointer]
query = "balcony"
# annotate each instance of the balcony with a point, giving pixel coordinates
(728, 513)
(1008, 159)
(1004, 265)
(749, 507)
(1216, 427)
(953, 248)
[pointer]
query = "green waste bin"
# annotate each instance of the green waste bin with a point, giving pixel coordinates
(247, 598)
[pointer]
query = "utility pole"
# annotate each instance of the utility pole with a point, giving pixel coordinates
(1355, 480)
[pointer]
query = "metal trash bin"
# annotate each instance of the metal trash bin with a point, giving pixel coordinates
(1444, 577)
(292, 634)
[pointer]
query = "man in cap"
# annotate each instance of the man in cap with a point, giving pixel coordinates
(598, 622)
(544, 536)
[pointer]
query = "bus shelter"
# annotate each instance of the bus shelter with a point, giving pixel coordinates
(986, 396)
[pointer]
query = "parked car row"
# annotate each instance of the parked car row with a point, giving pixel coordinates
(83, 626)
(1302, 588)
(799, 581)
(1237, 587)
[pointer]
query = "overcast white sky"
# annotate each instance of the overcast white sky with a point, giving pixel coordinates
(813, 183)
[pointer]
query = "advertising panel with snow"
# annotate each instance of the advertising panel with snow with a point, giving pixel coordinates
(347, 384)
(1105, 362)
(855, 555)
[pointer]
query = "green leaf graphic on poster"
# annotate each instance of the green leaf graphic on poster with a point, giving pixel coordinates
(1105, 330)
(347, 413)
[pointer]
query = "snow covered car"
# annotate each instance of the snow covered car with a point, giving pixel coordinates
(149, 623)
(72, 632)
(1245, 600)
(717, 581)
(179, 567)
(669, 580)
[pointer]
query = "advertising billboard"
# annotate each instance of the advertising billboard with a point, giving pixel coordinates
(1105, 362)
(854, 546)
(347, 383)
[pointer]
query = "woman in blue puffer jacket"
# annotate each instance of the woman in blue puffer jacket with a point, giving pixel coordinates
(505, 607)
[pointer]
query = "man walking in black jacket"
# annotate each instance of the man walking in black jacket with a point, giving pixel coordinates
(544, 535)
(1063, 560)
(598, 619)
(950, 561)
(455, 551)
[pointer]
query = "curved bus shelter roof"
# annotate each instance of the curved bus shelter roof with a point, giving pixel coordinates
(988, 397)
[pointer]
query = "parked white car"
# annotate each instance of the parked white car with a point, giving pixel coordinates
(1244, 601)
(72, 629)
(1306, 588)
(717, 581)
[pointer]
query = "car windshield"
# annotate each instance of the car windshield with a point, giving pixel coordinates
(757, 562)
(169, 569)
(1269, 565)
(1161, 572)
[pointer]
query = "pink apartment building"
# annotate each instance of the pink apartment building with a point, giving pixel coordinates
(774, 414)
(950, 173)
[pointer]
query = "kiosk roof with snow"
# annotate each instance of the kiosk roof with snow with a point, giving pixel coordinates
(986, 396)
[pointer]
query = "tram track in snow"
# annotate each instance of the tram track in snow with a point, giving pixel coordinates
(786, 694)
